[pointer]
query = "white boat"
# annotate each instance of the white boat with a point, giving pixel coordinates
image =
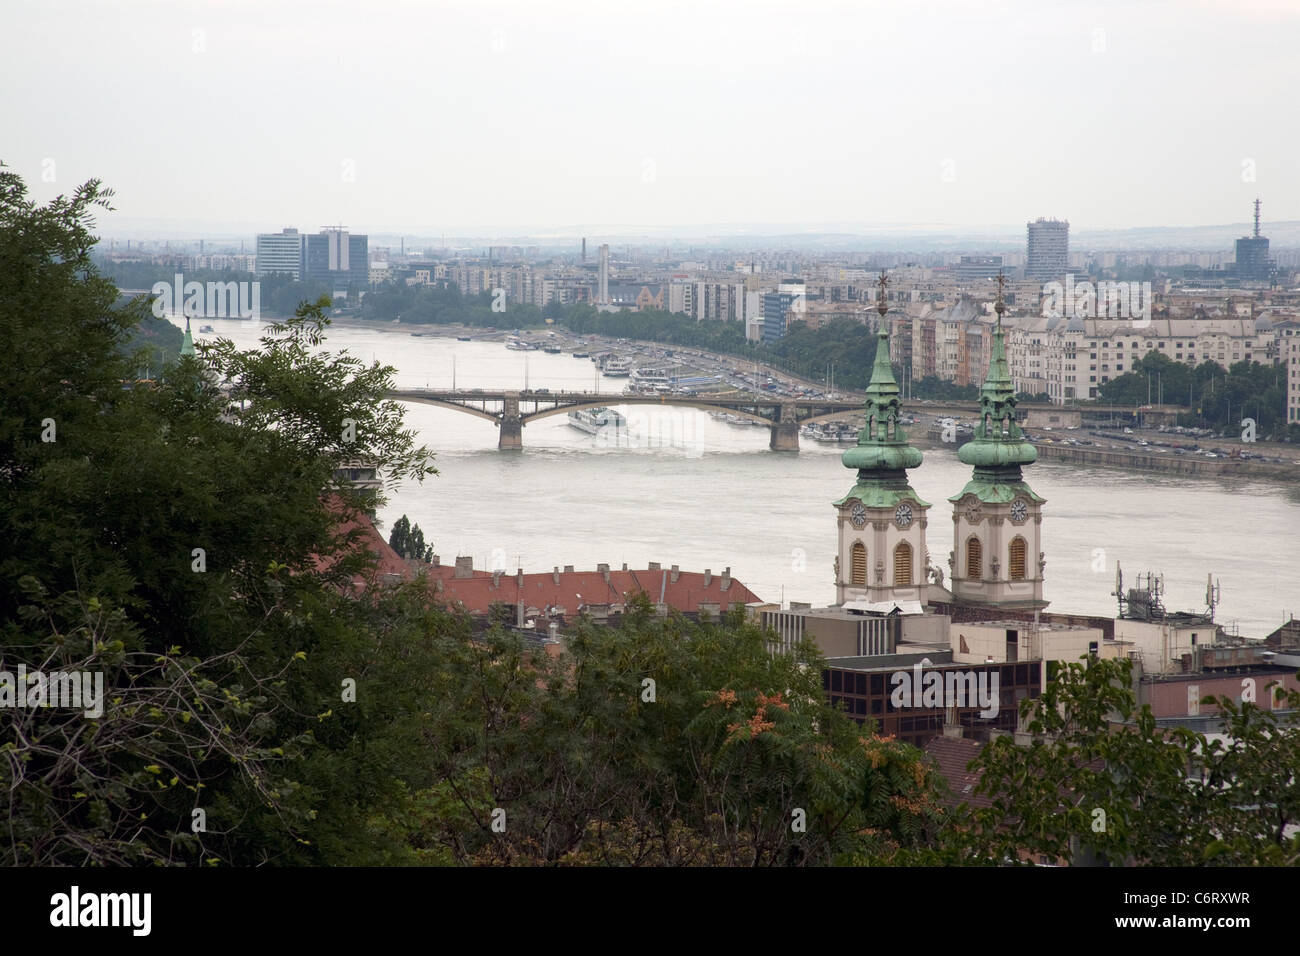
(652, 380)
(592, 420)
(206, 329)
(519, 345)
(616, 367)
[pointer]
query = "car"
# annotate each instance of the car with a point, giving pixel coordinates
(1128, 431)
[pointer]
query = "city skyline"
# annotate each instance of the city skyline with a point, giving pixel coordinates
(493, 121)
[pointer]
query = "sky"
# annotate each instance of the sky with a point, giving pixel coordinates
(549, 115)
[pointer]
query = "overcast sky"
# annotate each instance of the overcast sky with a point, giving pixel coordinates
(539, 115)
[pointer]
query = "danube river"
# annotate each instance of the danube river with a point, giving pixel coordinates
(688, 490)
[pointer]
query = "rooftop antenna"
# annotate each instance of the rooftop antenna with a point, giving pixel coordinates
(1119, 587)
(1256, 218)
(1213, 594)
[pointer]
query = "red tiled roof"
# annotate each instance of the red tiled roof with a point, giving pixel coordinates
(572, 589)
(567, 589)
(950, 756)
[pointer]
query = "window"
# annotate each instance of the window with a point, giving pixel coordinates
(974, 558)
(903, 565)
(1017, 563)
(859, 565)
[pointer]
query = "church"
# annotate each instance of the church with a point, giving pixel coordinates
(883, 560)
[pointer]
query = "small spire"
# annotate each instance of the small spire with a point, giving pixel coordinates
(187, 343)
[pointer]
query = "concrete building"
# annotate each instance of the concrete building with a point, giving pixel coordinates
(1252, 263)
(280, 253)
(1047, 250)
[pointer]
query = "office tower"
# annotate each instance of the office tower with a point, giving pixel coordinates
(1047, 256)
(1252, 254)
(280, 252)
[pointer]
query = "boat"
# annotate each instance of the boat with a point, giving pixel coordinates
(652, 380)
(552, 350)
(206, 328)
(841, 433)
(416, 334)
(463, 338)
(616, 367)
(581, 355)
(593, 420)
(519, 345)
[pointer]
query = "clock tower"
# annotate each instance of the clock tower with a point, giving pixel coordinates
(882, 555)
(997, 519)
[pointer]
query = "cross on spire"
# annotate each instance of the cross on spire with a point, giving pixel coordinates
(882, 306)
(1000, 307)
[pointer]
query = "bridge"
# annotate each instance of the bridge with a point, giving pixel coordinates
(510, 411)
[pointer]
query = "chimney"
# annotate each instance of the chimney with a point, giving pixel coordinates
(726, 578)
(604, 570)
(951, 728)
(519, 579)
(624, 565)
(708, 576)
(437, 561)
(464, 566)
(555, 574)
(654, 565)
(496, 580)
(676, 574)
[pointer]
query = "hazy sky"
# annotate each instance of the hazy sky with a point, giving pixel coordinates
(539, 115)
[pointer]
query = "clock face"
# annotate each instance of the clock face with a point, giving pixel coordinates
(903, 515)
(858, 515)
(1019, 510)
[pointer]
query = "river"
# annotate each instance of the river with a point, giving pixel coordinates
(688, 490)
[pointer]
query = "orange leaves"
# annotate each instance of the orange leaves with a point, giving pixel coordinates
(724, 696)
(758, 723)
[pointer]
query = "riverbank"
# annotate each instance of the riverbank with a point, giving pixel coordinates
(1144, 460)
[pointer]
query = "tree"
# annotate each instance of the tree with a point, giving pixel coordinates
(1103, 782)
(151, 541)
(408, 541)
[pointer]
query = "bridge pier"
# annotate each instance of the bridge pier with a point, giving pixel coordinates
(785, 432)
(511, 424)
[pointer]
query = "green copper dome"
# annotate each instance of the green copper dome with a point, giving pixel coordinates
(882, 454)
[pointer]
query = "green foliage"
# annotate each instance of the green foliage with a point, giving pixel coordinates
(1215, 397)
(1103, 783)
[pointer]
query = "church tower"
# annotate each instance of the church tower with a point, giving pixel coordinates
(882, 555)
(997, 519)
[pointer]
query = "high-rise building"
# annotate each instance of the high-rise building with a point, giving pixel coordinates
(280, 252)
(1253, 262)
(336, 257)
(789, 295)
(1047, 254)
